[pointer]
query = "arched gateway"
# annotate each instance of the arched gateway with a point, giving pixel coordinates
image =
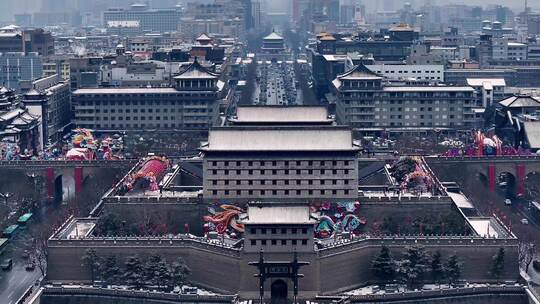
(279, 292)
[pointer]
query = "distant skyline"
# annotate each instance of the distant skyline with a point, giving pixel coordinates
(12, 7)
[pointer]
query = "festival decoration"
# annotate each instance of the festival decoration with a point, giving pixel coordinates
(148, 175)
(339, 217)
(225, 221)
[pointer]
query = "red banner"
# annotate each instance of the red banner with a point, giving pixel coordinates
(520, 174)
(78, 176)
(491, 177)
(50, 182)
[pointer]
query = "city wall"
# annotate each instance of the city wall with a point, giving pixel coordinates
(408, 207)
(332, 270)
(349, 265)
(173, 212)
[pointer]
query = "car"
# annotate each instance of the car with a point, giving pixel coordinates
(7, 264)
(525, 221)
(30, 266)
(507, 202)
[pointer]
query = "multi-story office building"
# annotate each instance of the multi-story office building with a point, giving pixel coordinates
(191, 28)
(17, 66)
(488, 91)
(58, 66)
(153, 20)
(193, 103)
(12, 39)
(432, 72)
(364, 102)
(38, 41)
(50, 100)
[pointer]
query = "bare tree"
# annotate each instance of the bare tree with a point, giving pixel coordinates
(39, 253)
(526, 255)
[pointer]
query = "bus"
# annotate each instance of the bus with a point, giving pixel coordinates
(24, 219)
(10, 231)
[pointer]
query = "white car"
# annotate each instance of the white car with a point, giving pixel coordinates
(525, 221)
(507, 202)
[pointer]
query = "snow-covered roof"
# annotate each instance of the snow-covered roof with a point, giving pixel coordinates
(273, 36)
(270, 139)
(520, 101)
(203, 37)
(196, 71)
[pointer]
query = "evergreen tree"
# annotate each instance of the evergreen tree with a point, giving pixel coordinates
(156, 271)
(413, 267)
(178, 273)
(133, 274)
(163, 275)
(437, 269)
(384, 267)
(110, 271)
(452, 269)
(93, 262)
(497, 268)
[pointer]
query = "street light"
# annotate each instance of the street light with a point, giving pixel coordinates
(5, 196)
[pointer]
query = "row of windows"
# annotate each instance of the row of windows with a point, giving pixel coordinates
(144, 110)
(280, 242)
(408, 72)
(278, 231)
(120, 118)
(280, 172)
(275, 182)
(418, 117)
(421, 124)
(136, 126)
(173, 100)
(281, 163)
(274, 192)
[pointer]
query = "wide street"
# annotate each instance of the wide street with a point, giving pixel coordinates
(14, 283)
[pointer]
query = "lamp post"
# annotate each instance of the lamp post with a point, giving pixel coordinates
(5, 196)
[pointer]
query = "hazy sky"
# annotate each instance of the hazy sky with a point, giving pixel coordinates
(10, 7)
